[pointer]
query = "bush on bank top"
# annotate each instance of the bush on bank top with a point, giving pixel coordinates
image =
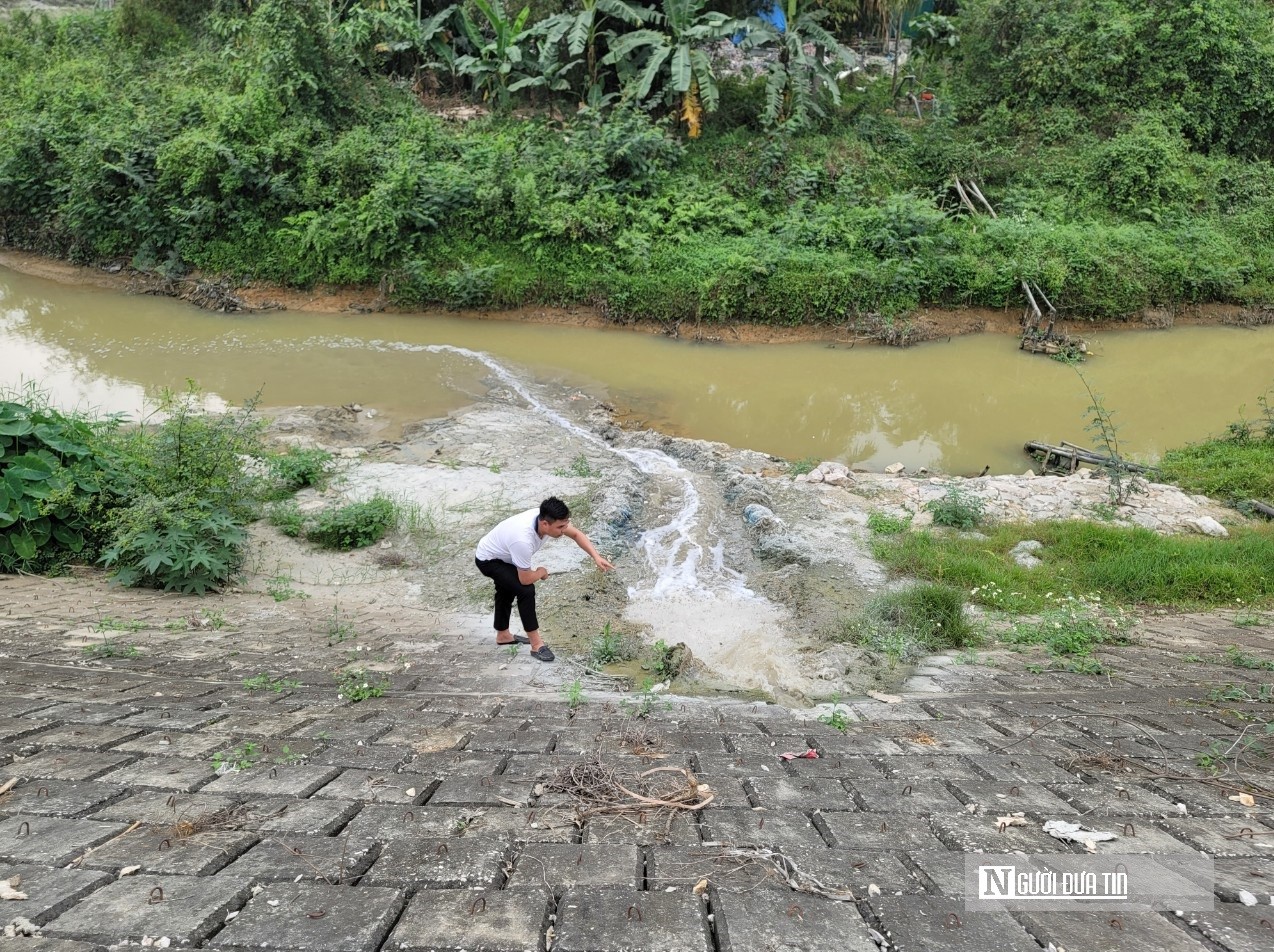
(274, 148)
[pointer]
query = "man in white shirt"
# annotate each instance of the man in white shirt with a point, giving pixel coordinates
(505, 554)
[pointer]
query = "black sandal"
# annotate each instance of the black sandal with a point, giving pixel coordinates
(544, 654)
(517, 640)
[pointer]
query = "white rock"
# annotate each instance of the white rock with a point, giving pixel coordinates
(893, 469)
(1209, 527)
(1246, 898)
(814, 476)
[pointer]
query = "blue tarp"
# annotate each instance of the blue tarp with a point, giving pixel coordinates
(773, 16)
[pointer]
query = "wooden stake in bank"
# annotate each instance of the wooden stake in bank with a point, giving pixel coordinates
(1037, 336)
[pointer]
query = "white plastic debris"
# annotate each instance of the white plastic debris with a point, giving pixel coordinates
(1077, 833)
(1246, 898)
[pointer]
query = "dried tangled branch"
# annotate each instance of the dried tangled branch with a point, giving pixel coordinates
(601, 789)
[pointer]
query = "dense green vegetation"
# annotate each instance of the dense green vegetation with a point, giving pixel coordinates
(1126, 143)
(164, 504)
(1126, 565)
(1236, 467)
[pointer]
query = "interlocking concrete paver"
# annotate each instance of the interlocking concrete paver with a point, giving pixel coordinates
(898, 796)
(313, 918)
(1104, 932)
(556, 865)
(177, 744)
(746, 921)
(41, 944)
(28, 838)
(363, 756)
(285, 857)
(931, 923)
(86, 713)
(640, 830)
(84, 736)
(439, 765)
(1235, 927)
(175, 719)
(473, 920)
(879, 831)
(154, 807)
(486, 791)
(180, 774)
(186, 909)
(1109, 798)
(791, 793)
(591, 919)
(966, 833)
(441, 862)
(60, 797)
(781, 829)
(12, 728)
(1224, 837)
(162, 850)
(64, 764)
(731, 869)
(376, 786)
(948, 748)
(282, 781)
(1000, 797)
(1022, 768)
(50, 892)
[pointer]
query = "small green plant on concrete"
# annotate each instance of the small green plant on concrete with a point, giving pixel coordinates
(287, 757)
(932, 613)
(214, 618)
(495, 468)
(1246, 617)
(511, 650)
(242, 757)
(118, 624)
(643, 704)
(957, 509)
(339, 628)
(573, 693)
(835, 718)
(886, 523)
(356, 685)
(610, 647)
(579, 467)
(264, 682)
(355, 525)
(803, 466)
(111, 648)
(1236, 657)
(280, 589)
(287, 517)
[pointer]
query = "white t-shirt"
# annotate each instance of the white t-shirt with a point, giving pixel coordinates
(514, 540)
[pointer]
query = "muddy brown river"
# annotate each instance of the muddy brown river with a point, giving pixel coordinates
(952, 406)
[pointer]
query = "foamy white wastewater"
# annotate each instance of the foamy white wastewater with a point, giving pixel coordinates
(672, 550)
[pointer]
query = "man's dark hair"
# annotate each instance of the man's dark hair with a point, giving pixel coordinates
(553, 509)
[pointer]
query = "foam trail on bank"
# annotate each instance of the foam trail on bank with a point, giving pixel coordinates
(671, 549)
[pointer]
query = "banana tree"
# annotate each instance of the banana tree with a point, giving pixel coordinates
(810, 59)
(673, 61)
(580, 29)
(499, 49)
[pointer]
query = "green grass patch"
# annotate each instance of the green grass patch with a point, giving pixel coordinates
(1226, 468)
(1125, 565)
(355, 525)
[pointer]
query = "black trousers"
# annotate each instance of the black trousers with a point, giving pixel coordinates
(507, 590)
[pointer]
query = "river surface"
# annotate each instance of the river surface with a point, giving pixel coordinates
(952, 406)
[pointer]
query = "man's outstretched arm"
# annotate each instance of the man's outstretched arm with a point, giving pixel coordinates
(582, 540)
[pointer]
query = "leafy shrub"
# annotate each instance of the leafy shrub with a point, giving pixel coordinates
(957, 509)
(297, 468)
(55, 472)
(610, 646)
(178, 544)
(355, 525)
